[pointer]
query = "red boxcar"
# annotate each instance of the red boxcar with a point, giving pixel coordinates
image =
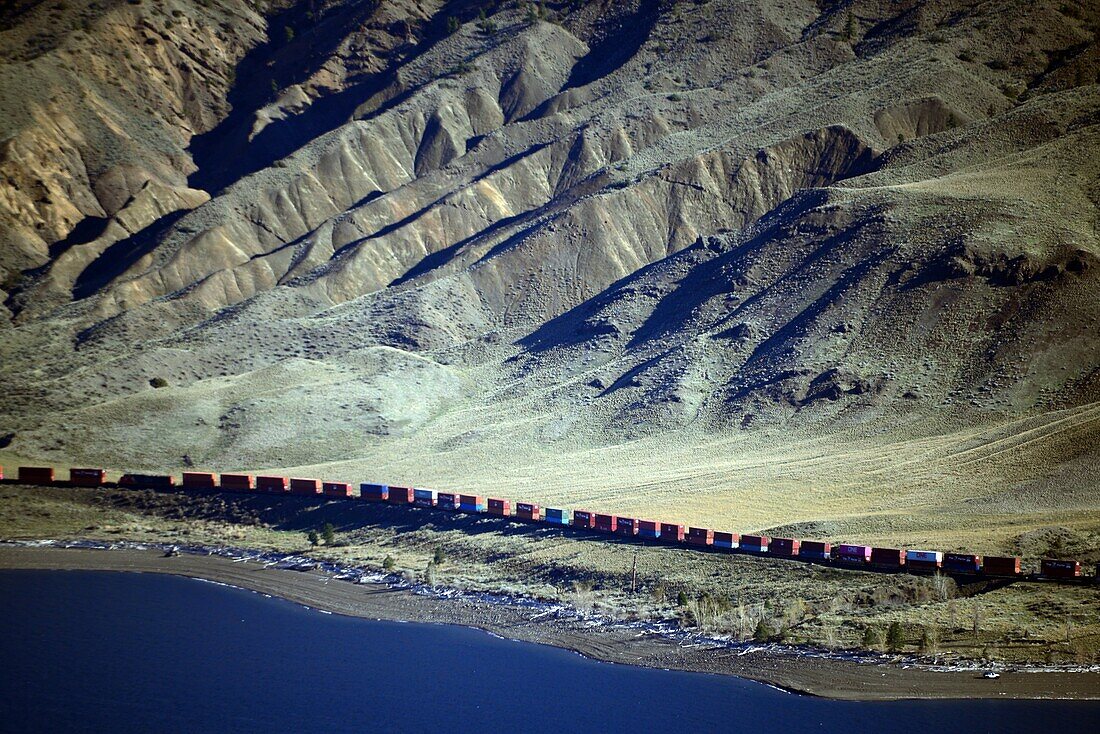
(198, 480)
(700, 536)
(672, 533)
(36, 474)
(1001, 566)
(307, 487)
(447, 500)
(147, 481)
(887, 557)
(341, 490)
(583, 519)
(237, 482)
(501, 508)
(528, 511)
(87, 477)
(606, 523)
(626, 526)
(784, 547)
(1060, 569)
(401, 496)
(273, 485)
(755, 543)
(815, 550)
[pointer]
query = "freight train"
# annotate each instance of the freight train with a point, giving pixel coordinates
(843, 555)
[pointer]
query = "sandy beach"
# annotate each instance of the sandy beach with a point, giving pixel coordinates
(840, 679)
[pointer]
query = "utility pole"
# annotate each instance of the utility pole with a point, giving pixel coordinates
(634, 574)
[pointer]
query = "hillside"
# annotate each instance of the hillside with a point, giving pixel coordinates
(826, 266)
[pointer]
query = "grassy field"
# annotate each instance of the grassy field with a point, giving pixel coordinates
(736, 595)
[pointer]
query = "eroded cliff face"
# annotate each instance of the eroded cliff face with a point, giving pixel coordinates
(399, 223)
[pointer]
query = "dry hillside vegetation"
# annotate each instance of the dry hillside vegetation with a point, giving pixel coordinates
(829, 267)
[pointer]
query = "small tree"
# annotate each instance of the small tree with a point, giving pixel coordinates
(387, 563)
(872, 638)
(429, 573)
(681, 599)
(453, 24)
(328, 533)
(763, 632)
(439, 556)
(311, 536)
(288, 33)
(895, 637)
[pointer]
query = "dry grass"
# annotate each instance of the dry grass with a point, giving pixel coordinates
(722, 594)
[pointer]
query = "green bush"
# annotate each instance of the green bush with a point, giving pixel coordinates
(158, 382)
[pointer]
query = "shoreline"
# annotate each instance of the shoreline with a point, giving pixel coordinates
(370, 597)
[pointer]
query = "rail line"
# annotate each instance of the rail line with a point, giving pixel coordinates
(593, 524)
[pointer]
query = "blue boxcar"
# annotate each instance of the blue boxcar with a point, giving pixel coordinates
(557, 517)
(378, 492)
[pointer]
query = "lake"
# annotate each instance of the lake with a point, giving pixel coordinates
(113, 652)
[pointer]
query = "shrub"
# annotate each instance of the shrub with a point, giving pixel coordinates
(439, 556)
(681, 599)
(763, 632)
(158, 382)
(453, 24)
(872, 638)
(387, 563)
(328, 533)
(311, 536)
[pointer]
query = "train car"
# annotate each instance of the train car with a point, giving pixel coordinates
(147, 481)
(784, 547)
(962, 563)
(528, 511)
(305, 487)
(852, 554)
(729, 541)
(36, 475)
(649, 529)
(500, 508)
(237, 482)
(815, 550)
(626, 526)
(672, 533)
(272, 485)
(1, 473)
(374, 492)
(887, 557)
(446, 500)
(754, 543)
(336, 490)
(1057, 569)
(471, 503)
(918, 560)
(1001, 566)
(199, 480)
(584, 519)
(86, 477)
(605, 523)
(400, 496)
(424, 497)
(699, 536)
(556, 516)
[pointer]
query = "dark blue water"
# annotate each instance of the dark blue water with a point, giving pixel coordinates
(102, 652)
